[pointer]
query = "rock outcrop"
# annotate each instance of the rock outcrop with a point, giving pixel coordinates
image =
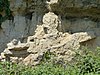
(57, 26)
(25, 16)
(47, 38)
(74, 15)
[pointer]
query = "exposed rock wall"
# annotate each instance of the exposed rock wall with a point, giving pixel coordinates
(47, 38)
(26, 14)
(75, 16)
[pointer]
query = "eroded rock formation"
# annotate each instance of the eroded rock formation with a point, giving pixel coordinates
(58, 26)
(25, 15)
(46, 38)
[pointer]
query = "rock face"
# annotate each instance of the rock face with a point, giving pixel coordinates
(58, 26)
(74, 15)
(26, 14)
(47, 38)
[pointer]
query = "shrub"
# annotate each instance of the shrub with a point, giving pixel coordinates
(88, 61)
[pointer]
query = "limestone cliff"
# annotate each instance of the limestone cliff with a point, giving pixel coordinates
(74, 16)
(47, 38)
(25, 15)
(58, 26)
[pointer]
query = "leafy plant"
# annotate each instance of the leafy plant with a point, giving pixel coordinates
(88, 61)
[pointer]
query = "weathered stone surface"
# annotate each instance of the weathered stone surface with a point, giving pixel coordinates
(78, 25)
(84, 36)
(51, 22)
(63, 26)
(49, 39)
(19, 47)
(25, 17)
(33, 59)
(74, 16)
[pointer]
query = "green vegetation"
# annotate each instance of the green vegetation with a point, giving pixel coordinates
(86, 62)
